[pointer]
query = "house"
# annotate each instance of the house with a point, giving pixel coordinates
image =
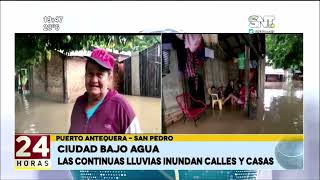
(214, 71)
(272, 74)
(62, 77)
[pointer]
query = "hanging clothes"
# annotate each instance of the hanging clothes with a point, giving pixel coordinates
(241, 60)
(194, 63)
(184, 42)
(200, 51)
(195, 56)
(192, 41)
(241, 65)
(180, 36)
(210, 39)
(178, 45)
(190, 70)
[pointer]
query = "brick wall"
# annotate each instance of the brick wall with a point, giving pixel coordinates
(171, 87)
(38, 80)
(55, 77)
(75, 77)
(74, 67)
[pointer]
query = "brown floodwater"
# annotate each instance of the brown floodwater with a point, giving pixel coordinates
(37, 115)
(280, 111)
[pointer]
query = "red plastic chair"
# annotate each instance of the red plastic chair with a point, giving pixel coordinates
(193, 113)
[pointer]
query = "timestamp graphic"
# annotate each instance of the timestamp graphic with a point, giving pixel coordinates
(52, 23)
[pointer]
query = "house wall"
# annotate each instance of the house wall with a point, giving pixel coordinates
(60, 66)
(171, 87)
(55, 77)
(233, 70)
(135, 78)
(53, 80)
(216, 73)
(75, 77)
(38, 80)
(118, 73)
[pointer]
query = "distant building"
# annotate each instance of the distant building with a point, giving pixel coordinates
(274, 75)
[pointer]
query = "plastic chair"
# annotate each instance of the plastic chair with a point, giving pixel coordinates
(215, 99)
(185, 101)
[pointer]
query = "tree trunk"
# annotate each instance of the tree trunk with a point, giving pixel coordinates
(46, 72)
(21, 85)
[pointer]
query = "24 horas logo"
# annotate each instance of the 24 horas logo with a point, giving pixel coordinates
(261, 24)
(32, 152)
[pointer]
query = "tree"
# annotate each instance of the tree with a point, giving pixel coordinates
(285, 51)
(32, 49)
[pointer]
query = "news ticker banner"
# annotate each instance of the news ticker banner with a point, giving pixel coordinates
(158, 152)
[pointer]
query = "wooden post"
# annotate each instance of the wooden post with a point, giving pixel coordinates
(260, 89)
(65, 80)
(261, 78)
(20, 80)
(46, 73)
(163, 111)
(30, 74)
(247, 81)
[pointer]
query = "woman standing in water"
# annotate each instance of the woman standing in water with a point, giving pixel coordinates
(101, 109)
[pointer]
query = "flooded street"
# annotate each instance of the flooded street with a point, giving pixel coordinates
(280, 112)
(283, 108)
(36, 115)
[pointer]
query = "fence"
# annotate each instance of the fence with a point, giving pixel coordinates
(150, 71)
(127, 77)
